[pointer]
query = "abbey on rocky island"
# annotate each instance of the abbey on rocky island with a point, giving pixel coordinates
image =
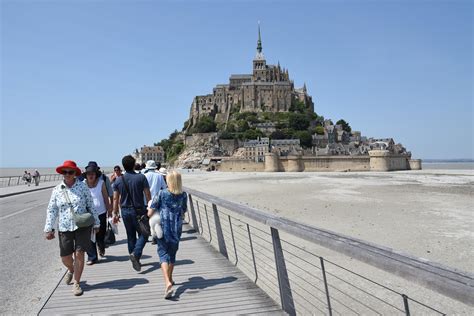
(267, 89)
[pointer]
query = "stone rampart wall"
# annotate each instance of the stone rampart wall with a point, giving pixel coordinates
(273, 163)
(335, 163)
(241, 165)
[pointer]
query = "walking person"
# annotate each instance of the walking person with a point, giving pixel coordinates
(70, 199)
(155, 180)
(117, 173)
(27, 178)
(171, 203)
(129, 190)
(100, 197)
(36, 177)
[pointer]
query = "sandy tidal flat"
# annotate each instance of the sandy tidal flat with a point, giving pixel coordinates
(426, 213)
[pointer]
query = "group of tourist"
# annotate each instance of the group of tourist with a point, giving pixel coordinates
(85, 202)
(27, 177)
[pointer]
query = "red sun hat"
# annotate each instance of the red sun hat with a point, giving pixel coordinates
(69, 164)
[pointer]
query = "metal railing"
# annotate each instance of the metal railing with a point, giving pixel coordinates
(18, 180)
(273, 252)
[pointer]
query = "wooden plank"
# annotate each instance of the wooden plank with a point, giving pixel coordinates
(206, 282)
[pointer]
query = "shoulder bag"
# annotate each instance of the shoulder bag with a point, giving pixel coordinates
(81, 220)
(143, 220)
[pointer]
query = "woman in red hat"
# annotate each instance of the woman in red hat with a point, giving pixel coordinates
(70, 196)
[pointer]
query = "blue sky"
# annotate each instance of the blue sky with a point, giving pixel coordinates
(92, 80)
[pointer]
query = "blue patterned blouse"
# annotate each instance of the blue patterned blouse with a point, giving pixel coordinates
(171, 207)
(81, 200)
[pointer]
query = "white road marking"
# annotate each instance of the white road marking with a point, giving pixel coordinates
(23, 210)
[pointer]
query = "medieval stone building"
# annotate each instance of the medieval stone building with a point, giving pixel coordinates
(267, 89)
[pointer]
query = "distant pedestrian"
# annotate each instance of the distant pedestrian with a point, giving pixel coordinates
(117, 173)
(36, 177)
(129, 190)
(171, 204)
(27, 178)
(71, 196)
(100, 197)
(142, 167)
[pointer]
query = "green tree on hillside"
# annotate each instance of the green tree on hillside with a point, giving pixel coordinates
(345, 125)
(205, 125)
(242, 126)
(319, 130)
(252, 134)
(298, 121)
(305, 138)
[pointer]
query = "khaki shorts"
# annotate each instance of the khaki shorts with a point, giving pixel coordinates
(78, 240)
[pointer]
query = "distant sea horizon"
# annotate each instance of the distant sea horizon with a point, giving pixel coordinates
(457, 164)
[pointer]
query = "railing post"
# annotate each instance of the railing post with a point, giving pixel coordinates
(208, 225)
(199, 214)
(220, 235)
(326, 285)
(233, 240)
(193, 213)
(286, 297)
(253, 254)
(9, 178)
(405, 303)
(18, 182)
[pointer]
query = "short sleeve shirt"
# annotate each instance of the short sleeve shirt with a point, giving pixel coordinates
(136, 183)
(171, 207)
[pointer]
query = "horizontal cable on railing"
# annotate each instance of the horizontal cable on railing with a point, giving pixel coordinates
(362, 290)
(347, 282)
(353, 298)
(306, 281)
(271, 286)
(304, 260)
(424, 305)
(312, 295)
(341, 267)
(306, 300)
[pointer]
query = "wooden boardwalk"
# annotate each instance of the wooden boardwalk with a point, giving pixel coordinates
(206, 283)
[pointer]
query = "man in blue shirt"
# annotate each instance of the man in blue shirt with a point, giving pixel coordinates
(129, 190)
(155, 179)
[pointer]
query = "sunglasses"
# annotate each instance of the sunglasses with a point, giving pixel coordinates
(69, 172)
(117, 170)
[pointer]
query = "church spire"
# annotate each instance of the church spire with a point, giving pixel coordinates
(259, 45)
(259, 42)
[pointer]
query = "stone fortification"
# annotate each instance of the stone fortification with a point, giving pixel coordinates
(377, 161)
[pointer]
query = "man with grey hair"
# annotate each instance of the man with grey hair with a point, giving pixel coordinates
(155, 179)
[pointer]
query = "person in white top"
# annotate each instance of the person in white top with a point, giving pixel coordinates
(102, 204)
(155, 179)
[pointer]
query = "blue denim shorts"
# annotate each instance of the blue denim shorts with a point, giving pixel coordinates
(167, 251)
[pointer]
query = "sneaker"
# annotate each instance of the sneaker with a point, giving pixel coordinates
(76, 290)
(91, 262)
(102, 253)
(135, 262)
(68, 278)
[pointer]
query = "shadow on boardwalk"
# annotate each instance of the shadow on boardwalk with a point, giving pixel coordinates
(200, 283)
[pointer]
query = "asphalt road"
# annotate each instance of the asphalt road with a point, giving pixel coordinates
(30, 265)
